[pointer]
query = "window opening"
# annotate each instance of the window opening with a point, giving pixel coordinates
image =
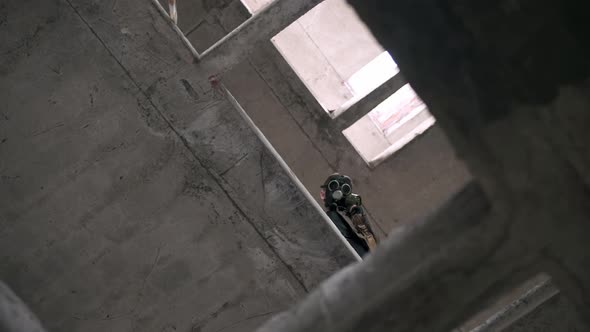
(206, 22)
(389, 126)
(335, 55)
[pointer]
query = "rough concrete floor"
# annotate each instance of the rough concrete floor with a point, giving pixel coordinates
(114, 214)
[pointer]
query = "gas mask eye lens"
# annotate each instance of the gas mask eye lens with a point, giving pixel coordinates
(333, 185)
(346, 189)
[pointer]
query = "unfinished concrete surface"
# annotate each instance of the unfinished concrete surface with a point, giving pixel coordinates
(202, 21)
(554, 315)
(540, 307)
(133, 196)
(244, 39)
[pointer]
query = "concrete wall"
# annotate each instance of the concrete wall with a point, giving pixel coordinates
(133, 197)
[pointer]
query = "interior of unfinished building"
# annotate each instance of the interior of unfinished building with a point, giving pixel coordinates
(162, 165)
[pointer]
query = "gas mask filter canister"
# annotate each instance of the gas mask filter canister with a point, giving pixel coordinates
(339, 190)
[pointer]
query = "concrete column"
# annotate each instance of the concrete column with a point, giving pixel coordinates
(238, 44)
(347, 115)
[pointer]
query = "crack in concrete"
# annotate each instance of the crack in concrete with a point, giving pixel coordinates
(44, 131)
(262, 183)
(234, 164)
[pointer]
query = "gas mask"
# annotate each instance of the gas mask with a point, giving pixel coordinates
(339, 192)
(338, 188)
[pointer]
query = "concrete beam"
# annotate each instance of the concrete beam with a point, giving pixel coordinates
(302, 190)
(348, 114)
(536, 296)
(172, 21)
(174, 194)
(239, 43)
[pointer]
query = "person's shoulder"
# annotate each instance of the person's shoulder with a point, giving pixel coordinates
(334, 214)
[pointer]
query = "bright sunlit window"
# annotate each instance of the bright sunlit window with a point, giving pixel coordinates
(389, 126)
(339, 60)
(372, 75)
(335, 55)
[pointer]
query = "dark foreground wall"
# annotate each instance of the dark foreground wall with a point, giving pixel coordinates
(508, 81)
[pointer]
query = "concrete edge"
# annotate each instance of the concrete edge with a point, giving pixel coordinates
(286, 168)
(185, 41)
(529, 301)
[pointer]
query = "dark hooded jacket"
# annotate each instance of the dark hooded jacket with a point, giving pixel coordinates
(357, 243)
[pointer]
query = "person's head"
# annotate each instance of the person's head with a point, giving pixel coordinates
(335, 188)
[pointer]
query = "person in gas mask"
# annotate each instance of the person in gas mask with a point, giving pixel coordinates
(346, 212)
